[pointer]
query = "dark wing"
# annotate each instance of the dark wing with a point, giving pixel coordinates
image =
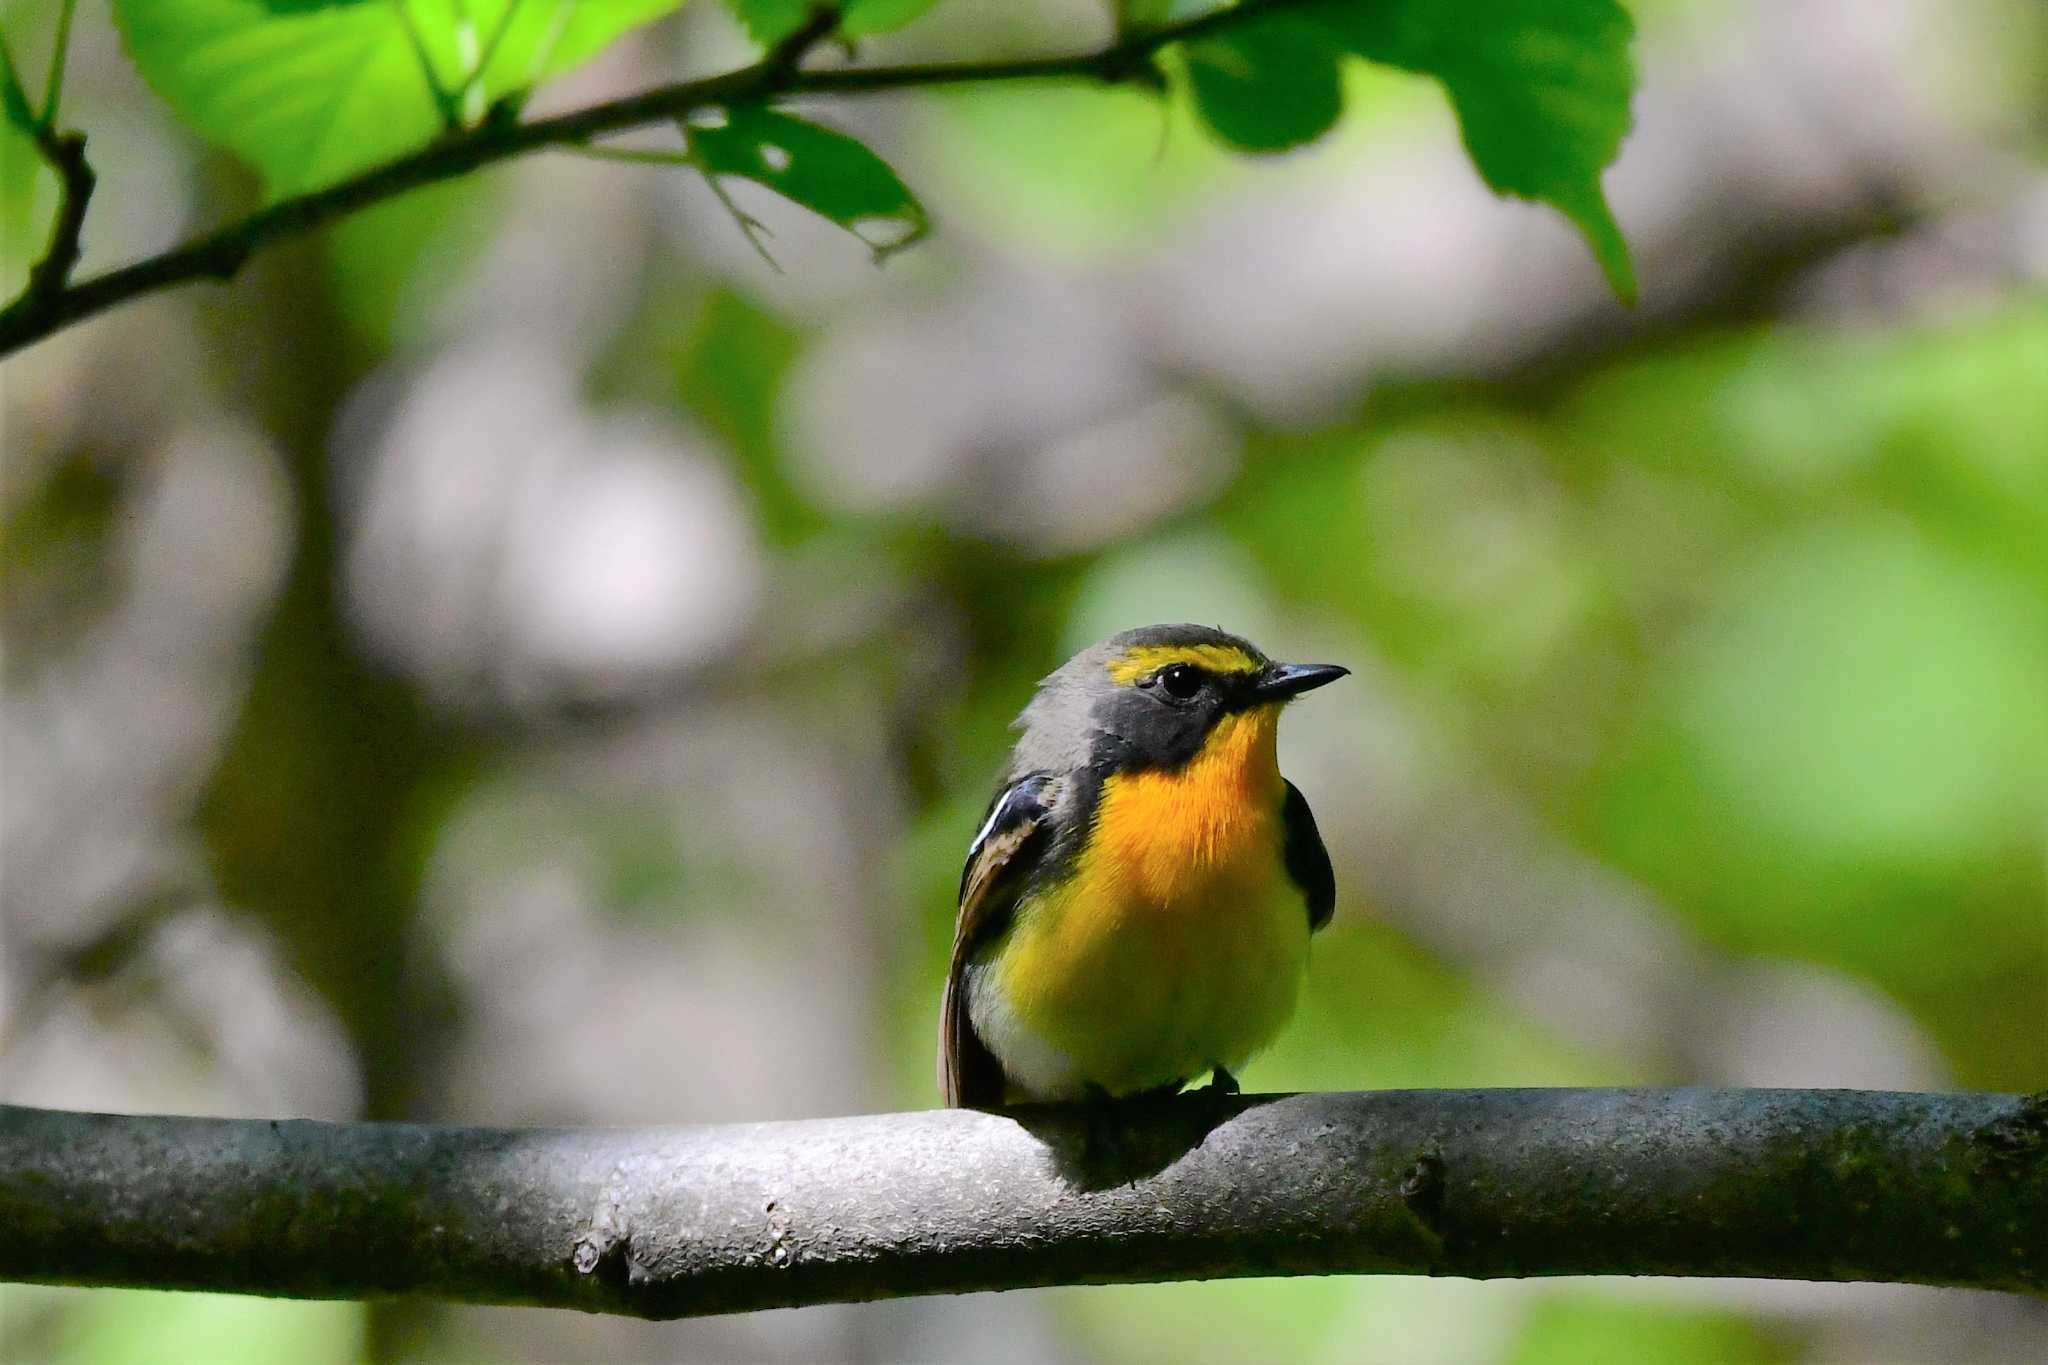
(1308, 862)
(1011, 840)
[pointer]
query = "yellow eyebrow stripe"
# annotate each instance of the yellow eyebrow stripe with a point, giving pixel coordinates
(1134, 664)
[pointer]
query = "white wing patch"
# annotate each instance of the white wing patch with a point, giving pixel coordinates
(974, 849)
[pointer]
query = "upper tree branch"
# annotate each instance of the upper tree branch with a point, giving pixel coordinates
(220, 253)
(1820, 1185)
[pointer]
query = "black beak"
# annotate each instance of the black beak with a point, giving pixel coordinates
(1282, 681)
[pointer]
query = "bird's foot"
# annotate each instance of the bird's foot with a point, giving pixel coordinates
(1102, 1133)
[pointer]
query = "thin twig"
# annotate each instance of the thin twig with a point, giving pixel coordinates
(748, 226)
(49, 277)
(637, 156)
(787, 55)
(753, 229)
(222, 252)
(64, 153)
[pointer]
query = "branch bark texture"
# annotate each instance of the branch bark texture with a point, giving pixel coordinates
(1818, 1185)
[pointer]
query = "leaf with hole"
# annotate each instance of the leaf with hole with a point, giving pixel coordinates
(827, 172)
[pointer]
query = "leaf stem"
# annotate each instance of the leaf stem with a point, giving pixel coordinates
(50, 276)
(491, 44)
(445, 100)
(640, 156)
(565, 10)
(53, 88)
(752, 228)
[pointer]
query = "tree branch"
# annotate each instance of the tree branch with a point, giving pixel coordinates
(1820, 1185)
(64, 153)
(219, 254)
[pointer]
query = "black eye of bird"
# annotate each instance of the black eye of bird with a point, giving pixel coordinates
(1180, 681)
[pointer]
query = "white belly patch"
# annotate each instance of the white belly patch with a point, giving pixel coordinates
(1032, 1064)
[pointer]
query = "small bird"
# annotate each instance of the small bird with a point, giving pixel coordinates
(1136, 909)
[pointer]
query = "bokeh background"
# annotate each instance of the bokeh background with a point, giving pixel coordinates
(517, 658)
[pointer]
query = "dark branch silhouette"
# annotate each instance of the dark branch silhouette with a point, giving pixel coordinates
(1818, 1185)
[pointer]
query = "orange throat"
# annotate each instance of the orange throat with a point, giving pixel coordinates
(1165, 833)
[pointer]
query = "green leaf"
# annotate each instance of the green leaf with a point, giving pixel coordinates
(313, 90)
(768, 22)
(14, 110)
(28, 205)
(827, 172)
(1268, 86)
(1541, 89)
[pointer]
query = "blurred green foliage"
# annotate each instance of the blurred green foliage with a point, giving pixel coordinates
(1747, 617)
(392, 263)
(1597, 1330)
(143, 1327)
(1761, 620)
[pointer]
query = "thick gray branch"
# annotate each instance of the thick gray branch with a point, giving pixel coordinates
(1820, 1185)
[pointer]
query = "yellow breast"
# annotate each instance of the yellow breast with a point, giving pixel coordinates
(1178, 942)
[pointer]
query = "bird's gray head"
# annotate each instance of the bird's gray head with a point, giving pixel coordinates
(1148, 698)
